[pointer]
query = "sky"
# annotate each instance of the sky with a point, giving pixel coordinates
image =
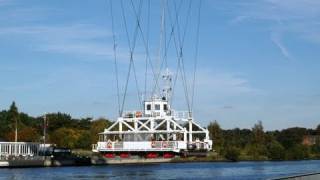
(257, 60)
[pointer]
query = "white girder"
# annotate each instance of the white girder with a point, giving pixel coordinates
(153, 125)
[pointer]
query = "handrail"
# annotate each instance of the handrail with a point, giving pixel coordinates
(158, 145)
(173, 113)
(181, 114)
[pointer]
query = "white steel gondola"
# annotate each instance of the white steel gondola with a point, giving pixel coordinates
(159, 128)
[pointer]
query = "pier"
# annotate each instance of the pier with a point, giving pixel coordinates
(308, 176)
(21, 149)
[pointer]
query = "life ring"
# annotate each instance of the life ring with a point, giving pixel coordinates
(109, 145)
(138, 114)
(153, 144)
(164, 144)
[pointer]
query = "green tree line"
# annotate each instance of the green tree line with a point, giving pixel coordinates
(233, 144)
(258, 144)
(61, 128)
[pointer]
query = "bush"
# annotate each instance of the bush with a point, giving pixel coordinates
(256, 151)
(298, 152)
(232, 154)
(84, 141)
(276, 151)
(65, 137)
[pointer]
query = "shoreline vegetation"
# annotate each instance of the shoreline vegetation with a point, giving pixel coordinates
(236, 144)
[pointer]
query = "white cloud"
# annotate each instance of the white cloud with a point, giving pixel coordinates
(276, 39)
(29, 26)
(274, 10)
(76, 39)
(280, 17)
(5, 2)
(224, 96)
(224, 84)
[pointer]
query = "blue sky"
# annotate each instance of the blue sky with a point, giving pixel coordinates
(258, 60)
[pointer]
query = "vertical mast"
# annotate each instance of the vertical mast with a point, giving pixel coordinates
(167, 77)
(161, 41)
(161, 36)
(44, 128)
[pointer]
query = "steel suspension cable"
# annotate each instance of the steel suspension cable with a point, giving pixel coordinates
(173, 34)
(196, 54)
(115, 55)
(181, 45)
(167, 46)
(131, 48)
(146, 60)
(146, 48)
(133, 67)
(179, 51)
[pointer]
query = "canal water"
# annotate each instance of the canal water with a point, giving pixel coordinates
(215, 170)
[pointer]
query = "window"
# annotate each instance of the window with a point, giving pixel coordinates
(148, 107)
(165, 107)
(157, 107)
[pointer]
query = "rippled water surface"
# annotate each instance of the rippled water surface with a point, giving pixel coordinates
(216, 170)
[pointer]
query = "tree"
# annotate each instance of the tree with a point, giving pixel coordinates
(215, 133)
(291, 137)
(256, 147)
(258, 136)
(97, 127)
(4, 124)
(65, 137)
(316, 147)
(276, 151)
(235, 137)
(256, 151)
(26, 120)
(84, 123)
(298, 152)
(58, 120)
(84, 141)
(26, 134)
(232, 153)
(318, 130)
(13, 116)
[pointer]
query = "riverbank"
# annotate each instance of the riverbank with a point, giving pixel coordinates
(211, 157)
(87, 158)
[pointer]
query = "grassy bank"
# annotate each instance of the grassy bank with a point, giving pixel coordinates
(211, 157)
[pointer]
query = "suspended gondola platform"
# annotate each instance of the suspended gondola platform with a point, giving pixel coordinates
(156, 132)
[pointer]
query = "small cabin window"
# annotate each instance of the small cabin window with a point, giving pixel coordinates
(157, 107)
(148, 107)
(165, 107)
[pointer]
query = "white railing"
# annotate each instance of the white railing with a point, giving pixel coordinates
(139, 114)
(181, 115)
(141, 146)
(199, 145)
(173, 113)
(21, 149)
(94, 147)
(132, 114)
(151, 146)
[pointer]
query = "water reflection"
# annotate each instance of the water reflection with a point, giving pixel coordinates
(222, 170)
